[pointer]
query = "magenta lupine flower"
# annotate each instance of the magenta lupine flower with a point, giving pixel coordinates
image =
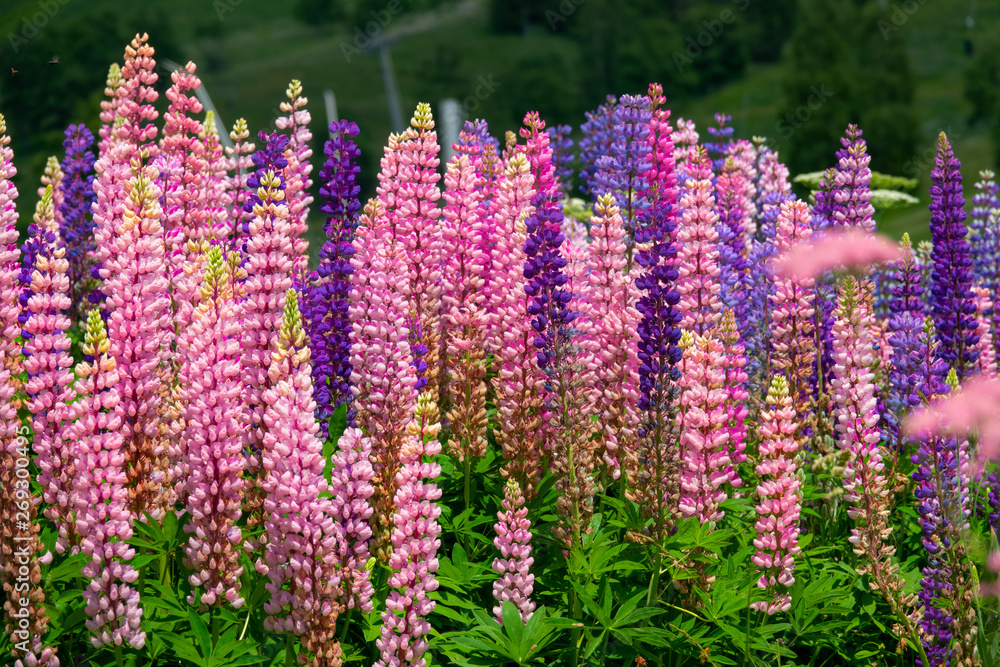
(300, 556)
(698, 254)
(513, 539)
(414, 546)
(383, 379)
(212, 441)
(13, 489)
(100, 496)
(109, 110)
(296, 173)
(793, 341)
(463, 302)
(350, 494)
(702, 420)
(779, 499)
(131, 254)
(737, 396)
(48, 364)
(519, 384)
(539, 152)
(851, 204)
(240, 166)
(609, 321)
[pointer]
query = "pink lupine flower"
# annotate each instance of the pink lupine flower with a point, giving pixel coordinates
(383, 379)
(685, 139)
(464, 307)
(350, 494)
(239, 164)
(793, 340)
(539, 152)
(849, 249)
(745, 158)
(608, 320)
(100, 496)
(514, 564)
(865, 484)
(986, 361)
(852, 195)
(519, 385)
(137, 94)
(214, 180)
(53, 177)
(702, 421)
(300, 556)
(47, 361)
(131, 252)
(296, 174)
(779, 499)
(109, 110)
(415, 541)
(737, 396)
(268, 253)
(697, 258)
(212, 442)
(13, 443)
(773, 178)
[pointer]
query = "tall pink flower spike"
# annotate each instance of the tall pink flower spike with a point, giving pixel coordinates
(464, 307)
(296, 174)
(48, 363)
(300, 556)
(109, 111)
(383, 379)
(737, 396)
(350, 493)
(849, 249)
(14, 442)
(215, 182)
(609, 320)
(513, 540)
(211, 446)
(519, 385)
(698, 256)
(103, 519)
(704, 437)
(986, 361)
(779, 499)
(415, 542)
(53, 177)
(792, 314)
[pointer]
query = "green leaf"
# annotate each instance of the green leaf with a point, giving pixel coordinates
(200, 632)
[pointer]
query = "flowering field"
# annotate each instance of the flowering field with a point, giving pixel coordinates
(690, 419)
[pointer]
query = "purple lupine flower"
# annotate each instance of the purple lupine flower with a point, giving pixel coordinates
(822, 209)
(906, 308)
(546, 279)
(326, 299)
(718, 150)
(731, 204)
(598, 134)
(951, 298)
(622, 170)
(851, 196)
(77, 228)
(984, 232)
(562, 155)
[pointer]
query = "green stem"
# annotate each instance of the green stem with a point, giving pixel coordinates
(344, 625)
(746, 647)
(467, 462)
(119, 660)
(577, 631)
(289, 651)
(215, 626)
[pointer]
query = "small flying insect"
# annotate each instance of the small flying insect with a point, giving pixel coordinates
(54, 60)
(13, 71)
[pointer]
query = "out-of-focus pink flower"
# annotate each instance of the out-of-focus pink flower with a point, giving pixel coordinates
(849, 249)
(974, 405)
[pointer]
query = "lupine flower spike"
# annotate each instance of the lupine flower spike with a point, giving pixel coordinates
(296, 173)
(514, 564)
